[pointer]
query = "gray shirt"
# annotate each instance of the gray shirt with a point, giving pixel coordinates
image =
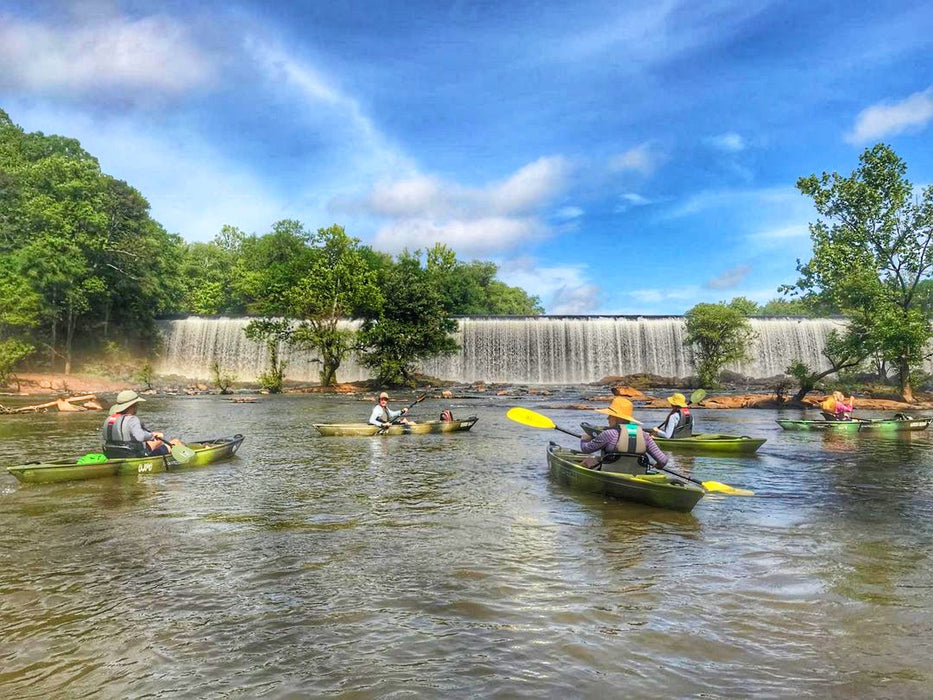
(382, 415)
(132, 430)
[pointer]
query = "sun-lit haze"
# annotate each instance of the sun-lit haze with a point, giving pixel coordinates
(611, 158)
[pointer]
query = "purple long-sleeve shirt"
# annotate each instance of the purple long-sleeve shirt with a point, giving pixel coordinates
(609, 437)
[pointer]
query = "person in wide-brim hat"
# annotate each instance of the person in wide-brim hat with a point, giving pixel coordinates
(624, 436)
(124, 435)
(620, 408)
(679, 422)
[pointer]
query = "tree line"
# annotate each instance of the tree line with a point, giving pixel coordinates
(84, 266)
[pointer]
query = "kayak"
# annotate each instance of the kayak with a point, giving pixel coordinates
(367, 430)
(858, 426)
(651, 488)
(700, 442)
(205, 452)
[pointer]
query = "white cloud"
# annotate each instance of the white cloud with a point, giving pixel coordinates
(567, 213)
(784, 199)
(564, 289)
(137, 56)
(574, 301)
(630, 200)
(886, 119)
(472, 238)
(731, 278)
(729, 142)
(424, 209)
(780, 234)
(644, 158)
(655, 296)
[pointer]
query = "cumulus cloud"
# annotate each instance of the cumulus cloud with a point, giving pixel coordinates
(154, 53)
(564, 289)
(574, 301)
(644, 158)
(424, 209)
(886, 119)
(729, 142)
(730, 279)
(475, 238)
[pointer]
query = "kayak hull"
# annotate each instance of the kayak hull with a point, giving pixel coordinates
(207, 452)
(367, 430)
(653, 489)
(706, 443)
(881, 426)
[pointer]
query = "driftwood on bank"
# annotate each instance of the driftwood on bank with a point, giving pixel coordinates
(63, 405)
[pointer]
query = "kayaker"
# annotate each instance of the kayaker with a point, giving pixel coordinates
(382, 416)
(124, 435)
(624, 436)
(679, 422)
(844, 406)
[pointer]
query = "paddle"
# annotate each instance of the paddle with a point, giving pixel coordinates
(180, 453)
(536, 420)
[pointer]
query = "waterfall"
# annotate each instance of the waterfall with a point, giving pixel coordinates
(522, 350)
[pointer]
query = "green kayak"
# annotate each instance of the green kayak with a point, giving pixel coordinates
(367, 430)
(701, 442)
(651, 488)
(205, 452)
(858, 426)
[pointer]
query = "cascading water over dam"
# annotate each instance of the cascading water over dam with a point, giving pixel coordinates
(521, 350)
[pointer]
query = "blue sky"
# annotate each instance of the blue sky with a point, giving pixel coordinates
(611, 157)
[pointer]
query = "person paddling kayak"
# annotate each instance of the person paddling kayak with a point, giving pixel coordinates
(623, 437)
(679, 422)
(124, 435)
(838, 407)
(382, 416)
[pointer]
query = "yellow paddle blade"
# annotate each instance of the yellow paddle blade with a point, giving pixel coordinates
(719, 487)
(529, 418)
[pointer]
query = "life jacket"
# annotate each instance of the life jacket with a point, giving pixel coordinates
(631, 440)
(115, 445)
(828, 408)
(684, 428)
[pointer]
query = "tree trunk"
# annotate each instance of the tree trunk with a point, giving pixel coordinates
(69, 333)
(907, 393)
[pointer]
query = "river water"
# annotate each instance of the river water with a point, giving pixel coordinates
(452, 565)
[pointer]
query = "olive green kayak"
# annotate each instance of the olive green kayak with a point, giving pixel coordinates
(858, 426)
(367, 430)
(651, 488)
(205, 452)
(712, 443)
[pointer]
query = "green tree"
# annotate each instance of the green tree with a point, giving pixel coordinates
(843, 351)
(19, 313)
(338, 284)
(718, 334)
(745, 306)
(411, 326)
(871, 253)
(784, 307)
(271, 332)
(268, 268)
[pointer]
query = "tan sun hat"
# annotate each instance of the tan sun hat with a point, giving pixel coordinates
(125, 399)
(383, 395)
(678, 400)
(622, 408)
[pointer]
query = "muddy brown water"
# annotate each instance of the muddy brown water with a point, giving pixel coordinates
(452, 565)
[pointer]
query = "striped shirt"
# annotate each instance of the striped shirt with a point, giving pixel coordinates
(609, 437)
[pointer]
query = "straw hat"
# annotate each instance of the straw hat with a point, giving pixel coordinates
(125, 399)
(678, 400)
(383, 395)
(620, 407)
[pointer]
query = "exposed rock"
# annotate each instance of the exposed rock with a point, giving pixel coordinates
(628, 392)
(447, 394)
(93, 405)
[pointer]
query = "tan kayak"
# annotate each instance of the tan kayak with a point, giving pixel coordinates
(366, 430)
